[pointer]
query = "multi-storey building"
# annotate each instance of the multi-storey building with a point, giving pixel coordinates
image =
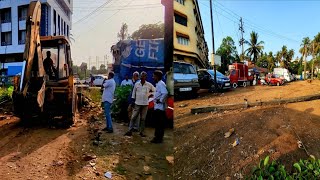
(189, 43)
(56, 18)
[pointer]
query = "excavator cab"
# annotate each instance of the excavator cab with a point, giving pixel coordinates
(45, 86)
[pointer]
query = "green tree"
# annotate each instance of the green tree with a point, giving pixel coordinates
(228, 53)
(305, 51)
(149, 31)
(102, 69)
(255, 47)
(123, 34)
(271, 61)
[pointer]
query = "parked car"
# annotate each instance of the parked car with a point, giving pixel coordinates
(76, 81)
(185, 79)
(206, 80)
(272, 79)
(98, 80)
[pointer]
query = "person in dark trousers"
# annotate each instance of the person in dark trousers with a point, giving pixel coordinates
(141, 93)
(109, 87)
(48, 66)
(159, 114)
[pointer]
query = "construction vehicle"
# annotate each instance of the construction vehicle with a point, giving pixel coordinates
(37, 92)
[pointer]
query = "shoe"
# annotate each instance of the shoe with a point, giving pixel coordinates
(135, 130)
(110, 131)
(105, 129)
(156, 141)
(129, 133)
(142, 135)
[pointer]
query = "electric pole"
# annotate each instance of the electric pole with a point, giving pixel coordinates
(313, 58)
(214, 65)
(241, 40)
(305, 62)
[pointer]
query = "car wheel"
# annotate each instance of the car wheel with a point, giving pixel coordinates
(244, 84)
(234, 85)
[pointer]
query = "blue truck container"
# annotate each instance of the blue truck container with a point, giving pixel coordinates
(139, 55)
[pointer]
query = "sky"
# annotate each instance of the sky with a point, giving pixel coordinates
(277, 23)
(95, 24)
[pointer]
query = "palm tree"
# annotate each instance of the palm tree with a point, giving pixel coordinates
(271, 61)
(305, 51)
(278, 57)
(255, 47)
(288, 58)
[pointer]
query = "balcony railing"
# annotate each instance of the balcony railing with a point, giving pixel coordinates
(6, 21)
(6, 43)
(22, 41)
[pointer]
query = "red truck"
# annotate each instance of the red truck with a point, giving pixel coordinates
(239, 75)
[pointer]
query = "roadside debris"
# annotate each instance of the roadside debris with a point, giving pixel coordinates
(300, 144)
(89, 157)
(108, 175)
(236, 142)
(57, 163)
(183, 105)
(170, 159)
(229, 133)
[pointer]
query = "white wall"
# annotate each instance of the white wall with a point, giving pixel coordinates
(15, 47)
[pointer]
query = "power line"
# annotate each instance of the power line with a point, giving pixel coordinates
(94, 11)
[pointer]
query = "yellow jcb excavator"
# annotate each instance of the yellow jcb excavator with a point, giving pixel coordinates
(45, 86)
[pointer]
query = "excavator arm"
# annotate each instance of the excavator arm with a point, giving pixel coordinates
(33, 54)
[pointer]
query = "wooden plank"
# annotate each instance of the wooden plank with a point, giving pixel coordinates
(223, 107)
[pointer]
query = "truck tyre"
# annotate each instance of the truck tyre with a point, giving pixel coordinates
(234, 85)
(244, 84)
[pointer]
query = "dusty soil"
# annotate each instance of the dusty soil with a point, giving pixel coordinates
(202, 151)
(41, 152)
(252, 94)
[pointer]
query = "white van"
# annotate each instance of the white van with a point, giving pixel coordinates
(283, 72)
(185, 79)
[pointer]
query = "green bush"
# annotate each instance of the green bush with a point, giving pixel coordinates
(6, 93)
(119, 106)
(304, 169)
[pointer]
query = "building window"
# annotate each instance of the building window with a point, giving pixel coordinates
(6, 38)
(61, 27)
(22, 12)
(68, 30)
(180, 1)
(180, 19)
(58, 25)
(54, 22)
(183, 40)
(22, 37)
(6, 15)
(64, 28)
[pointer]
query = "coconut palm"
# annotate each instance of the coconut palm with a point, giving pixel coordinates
(271, 61)
(305, 51)
(255, 47)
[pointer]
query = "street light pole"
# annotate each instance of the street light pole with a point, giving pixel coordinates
(214, 66)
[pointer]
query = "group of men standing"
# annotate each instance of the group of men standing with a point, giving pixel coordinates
(139, 102)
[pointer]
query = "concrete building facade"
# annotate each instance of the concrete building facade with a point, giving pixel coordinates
(56, 18)
(188, 39)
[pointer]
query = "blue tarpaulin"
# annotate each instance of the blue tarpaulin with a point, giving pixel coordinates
(140, 55)
(14, 70)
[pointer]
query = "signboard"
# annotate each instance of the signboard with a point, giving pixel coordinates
(215, 60)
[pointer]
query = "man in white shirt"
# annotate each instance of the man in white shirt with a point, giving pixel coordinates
(159, 107)
(109, 87)
(126, 81)
(140, 94)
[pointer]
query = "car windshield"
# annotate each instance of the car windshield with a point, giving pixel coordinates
(219, 74)
(183, 68)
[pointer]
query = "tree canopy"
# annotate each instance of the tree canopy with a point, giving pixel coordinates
(149, 31)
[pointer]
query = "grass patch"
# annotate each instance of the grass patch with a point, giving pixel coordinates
(94, 94)
(120, 169)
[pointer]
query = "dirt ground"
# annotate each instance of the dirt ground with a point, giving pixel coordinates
(202, 151)
(80, 152)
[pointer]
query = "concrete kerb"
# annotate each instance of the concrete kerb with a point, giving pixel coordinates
(224, 107)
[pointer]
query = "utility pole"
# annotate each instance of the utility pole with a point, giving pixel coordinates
(89, 64)
(241, 40)
(213, 51)
(305, 62)
(313, 58)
